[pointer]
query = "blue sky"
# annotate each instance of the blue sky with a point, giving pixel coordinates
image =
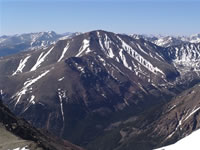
(171, 17)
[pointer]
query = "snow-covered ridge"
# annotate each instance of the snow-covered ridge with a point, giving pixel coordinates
(195, 38)
(185, 57)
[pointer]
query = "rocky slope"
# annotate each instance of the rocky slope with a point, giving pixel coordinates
(180, 117)
(17, 133)
(159, 126)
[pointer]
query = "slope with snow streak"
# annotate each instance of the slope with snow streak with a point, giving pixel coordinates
(62, 96)
(21, 66)
(41, 59)
(63, 53)
(123, 48)
(84, 48)
(116, 53)
(190, 142)
(138, 57)
(27, 87)
(106, 43)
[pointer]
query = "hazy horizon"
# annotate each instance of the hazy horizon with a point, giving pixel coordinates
(103, 30)
(151, 17)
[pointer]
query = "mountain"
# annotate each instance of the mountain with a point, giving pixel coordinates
(167, 41)
(182, 54)
(195, 38)
(163, 41)
(186, 57)
(18, 134)
(96, 73)
(29, 41)
(102, 90)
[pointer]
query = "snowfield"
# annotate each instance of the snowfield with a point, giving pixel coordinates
(190, 142)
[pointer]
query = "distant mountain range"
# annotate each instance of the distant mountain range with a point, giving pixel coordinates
(167, 41)
(30, 41)
(106, 91)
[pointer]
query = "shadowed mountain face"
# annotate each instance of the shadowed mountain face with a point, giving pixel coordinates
(78, 87)
(159, 126)
(164, 124)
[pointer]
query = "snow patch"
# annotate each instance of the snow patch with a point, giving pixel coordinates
(100, 41)
(123, 58)
(81, 69)
(32, 99)
(21, 65)
(107, 43)
(193, 111)
(61, 79)
(63, 53)
(172, 107)
(84, 47)
(41, 59)
(142, 49)
(27, 86)
(103, 95)
(23, 148)
(62, 95)
(189, 142)
(102, 60)
(1, 92)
